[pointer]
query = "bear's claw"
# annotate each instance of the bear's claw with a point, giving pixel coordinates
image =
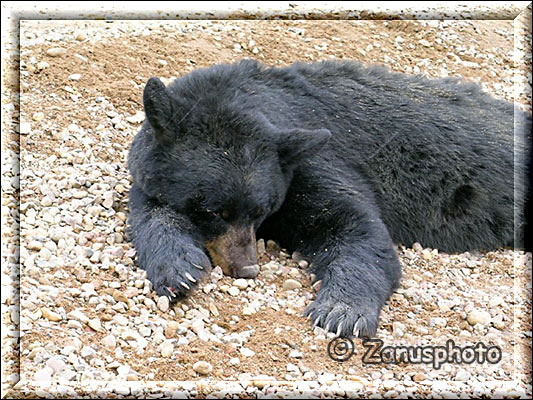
(354, 316)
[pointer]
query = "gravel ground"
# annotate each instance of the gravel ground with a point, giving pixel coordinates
(89, 321)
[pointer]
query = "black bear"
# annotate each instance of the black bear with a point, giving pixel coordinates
(333, 159)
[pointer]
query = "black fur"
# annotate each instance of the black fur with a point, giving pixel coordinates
(335, 160)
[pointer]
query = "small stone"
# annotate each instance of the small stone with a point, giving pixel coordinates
(248, 310)
(202, 367)
(73, 128)
(56, 52)
(95, 324)
(87, 352)
(172, 327)
(122, 390)
(72, 323)
(46, 201)
(417, 247)
(74, 77)
(462, 375)
(234, 291)
(108, 200)
(389, 384)
(42, 65)
(80, 36)
(291, 284)
(325, 378)
(149, 303)
(67, 350)
(213, 309)
(295, 354)
(35, 245)
(38, 116)
(167, 349)
(438, 321)
(246, 352)
(419, 377)
(477, 316)
(109, 341)
(78, 316)
(123, 370)
(50, 315)
(130, 335)
(56, 363)
(465, 333)
(137, 118)
(163, 303)
(145, 331)
(240, 283)
(44, 374)
(261, 247)
(25, 128)
(45, 254)
(120, 296)
(398, 329)
(234, 361)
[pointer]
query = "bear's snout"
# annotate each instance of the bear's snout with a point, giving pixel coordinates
(235, 252)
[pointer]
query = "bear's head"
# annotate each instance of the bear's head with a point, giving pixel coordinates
(224, 168)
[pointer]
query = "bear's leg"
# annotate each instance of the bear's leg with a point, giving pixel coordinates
(357, 269)
(174, 260)
(352, 255)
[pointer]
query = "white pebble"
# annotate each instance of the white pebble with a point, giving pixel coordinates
(240, 283)
(291, 284)
(56, 52)
(246, 352)
(478, 317)
(44, 374)
(202, 367)
(163, 303)
(25, 128)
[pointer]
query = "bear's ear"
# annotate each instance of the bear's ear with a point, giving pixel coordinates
(159, 108)
(295, 143)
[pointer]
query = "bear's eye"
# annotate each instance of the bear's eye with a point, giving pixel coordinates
(224, 214)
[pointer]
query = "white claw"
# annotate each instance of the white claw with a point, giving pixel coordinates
(316, 321)
(198, 266)
(189, 277)
(171, 292)
(339, 329)
(356, 327)
(185, 285)
(327, 326)
(316, 284)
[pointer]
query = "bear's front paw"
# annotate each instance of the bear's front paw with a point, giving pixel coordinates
(175, 276)
(349, 316)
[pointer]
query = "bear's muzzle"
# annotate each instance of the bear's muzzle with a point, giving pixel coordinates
(235, 252)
